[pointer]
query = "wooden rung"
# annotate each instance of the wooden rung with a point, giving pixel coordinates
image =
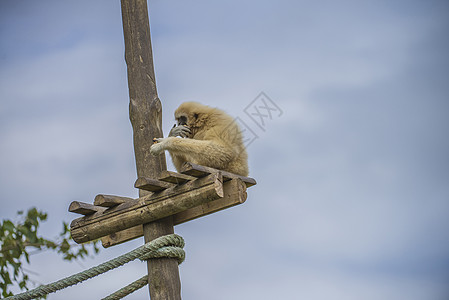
(152, 185)
(247, 180)
(195, 170)
(109, 200)
(176, 178)
(84, 208)
(201, 171)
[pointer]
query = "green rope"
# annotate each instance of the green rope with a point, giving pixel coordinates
(165, 246)
(130, 288)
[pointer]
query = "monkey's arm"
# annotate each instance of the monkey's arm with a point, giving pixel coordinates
(203, 152)
(178, 161)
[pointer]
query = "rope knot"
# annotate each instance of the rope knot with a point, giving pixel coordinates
(167, 246)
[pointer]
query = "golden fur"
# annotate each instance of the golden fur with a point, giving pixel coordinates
(213, 139)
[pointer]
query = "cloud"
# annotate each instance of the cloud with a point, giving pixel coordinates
(352, 178)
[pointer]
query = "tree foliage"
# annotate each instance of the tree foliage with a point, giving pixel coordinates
(18, 238)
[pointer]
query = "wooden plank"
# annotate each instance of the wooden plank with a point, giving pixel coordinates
(84, 208)
(176, 178)
(122, 236)
(148, 208)
(199, 171)
(110, 200)
(151, 185)
(195, 170)
(234, 194)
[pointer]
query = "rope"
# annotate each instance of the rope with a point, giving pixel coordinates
(130, 288)
(165, 246)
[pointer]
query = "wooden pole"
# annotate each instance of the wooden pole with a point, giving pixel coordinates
(145, 111)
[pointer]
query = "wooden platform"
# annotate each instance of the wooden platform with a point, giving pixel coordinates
(195, 192)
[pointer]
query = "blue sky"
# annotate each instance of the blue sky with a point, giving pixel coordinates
(352, 200)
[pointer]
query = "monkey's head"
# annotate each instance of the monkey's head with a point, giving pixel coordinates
(193, 115)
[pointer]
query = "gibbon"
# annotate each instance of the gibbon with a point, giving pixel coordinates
(205, 136)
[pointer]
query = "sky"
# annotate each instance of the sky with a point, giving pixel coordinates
(352, 200)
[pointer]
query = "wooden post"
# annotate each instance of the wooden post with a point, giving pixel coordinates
(145, 113)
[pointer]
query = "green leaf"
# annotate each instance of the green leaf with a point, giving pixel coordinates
(8, 226)
(16, 238)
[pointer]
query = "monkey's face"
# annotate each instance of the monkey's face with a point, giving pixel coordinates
(182, 120)
(188, 116)
(193, 115)
(189, 122)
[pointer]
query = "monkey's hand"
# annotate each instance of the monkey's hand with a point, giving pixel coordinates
(158, 146)
(181, 130)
